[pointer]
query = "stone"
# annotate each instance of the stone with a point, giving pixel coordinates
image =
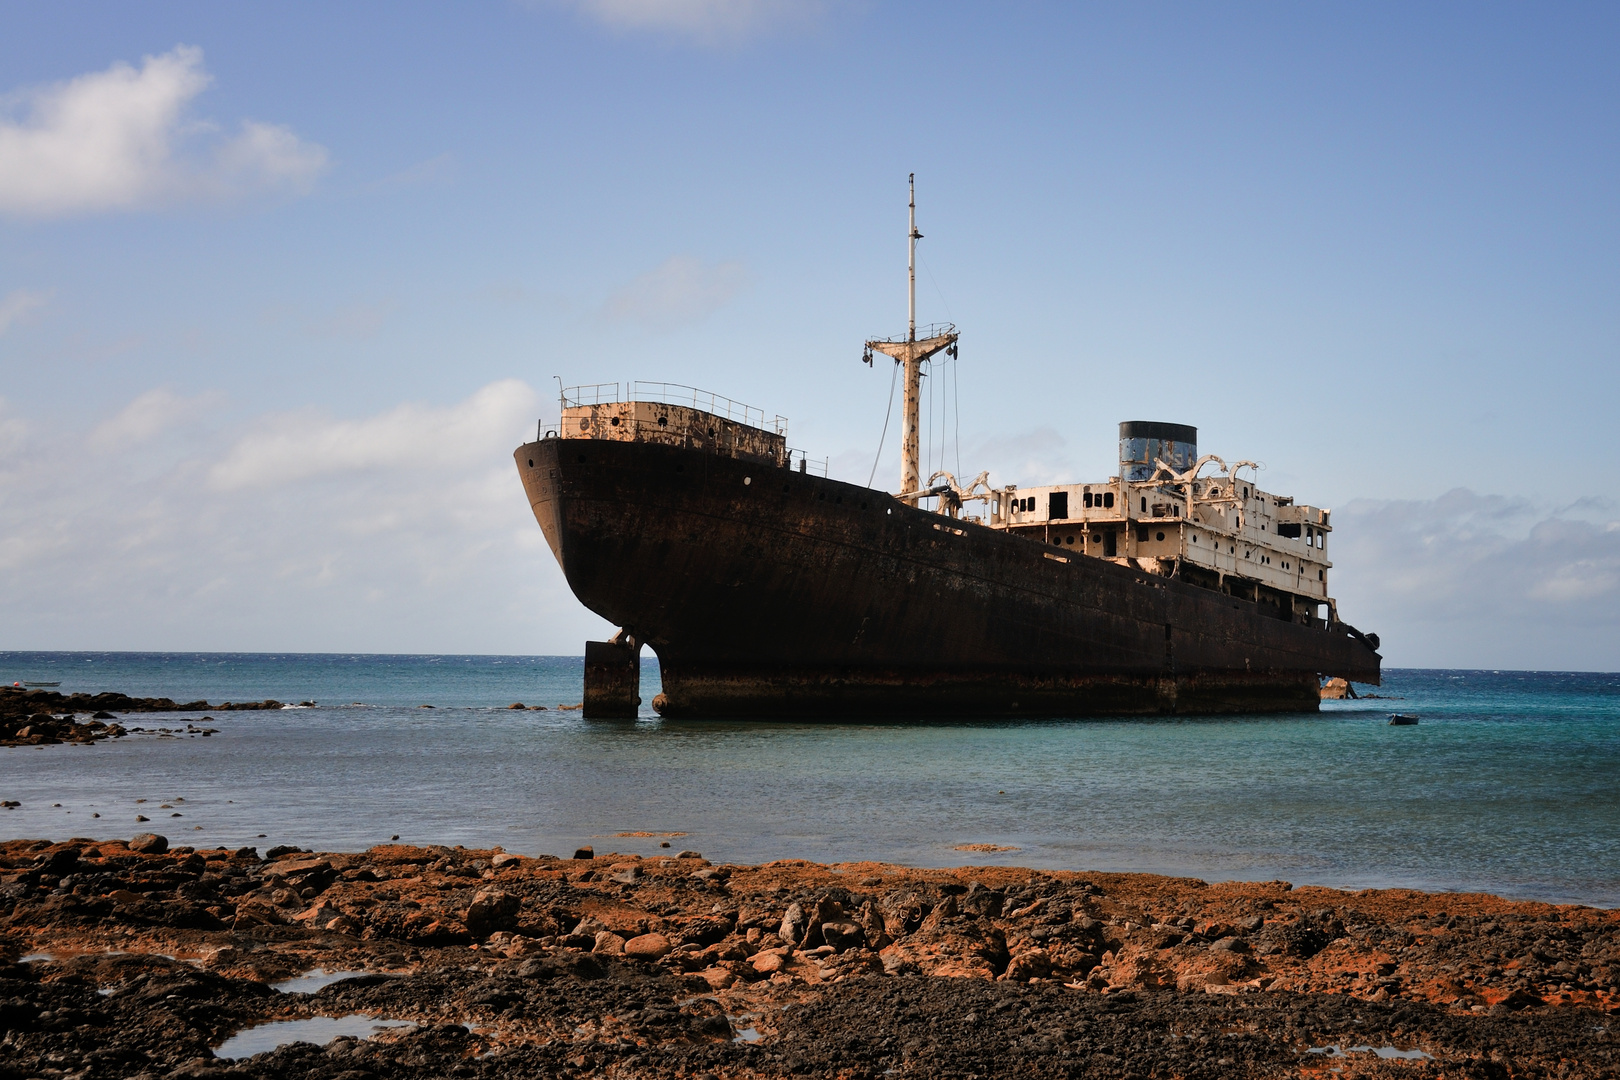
(793, 925)
(979, 900)
(718, 978)
(688, 855)
(897, 962)
(1034, 964)
(843, 936)
(251, 913)
(768, 963)
(610, 943)
(1230, 944)
(318, 915)
(647, 947)
(589, 927)
(284, 898)
(586, 852)
(1251, 924)
(505, 858)
(627, 875)
(149, 843)
(492, 910)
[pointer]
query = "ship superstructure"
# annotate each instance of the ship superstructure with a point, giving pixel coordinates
(1173, 513)
(768, 589)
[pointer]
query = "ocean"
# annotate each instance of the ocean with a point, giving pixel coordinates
(1510, 784)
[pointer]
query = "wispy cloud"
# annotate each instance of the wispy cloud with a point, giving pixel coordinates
(150, 415)
(18, 305)
(682, 290)
(288, 447)
(1483, 580)
(707, 22)
(120, 139)
(402, 530)
(433, 172)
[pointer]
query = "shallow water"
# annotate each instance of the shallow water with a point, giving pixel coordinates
(311, 981)
(319, 1030)
(1506, 786)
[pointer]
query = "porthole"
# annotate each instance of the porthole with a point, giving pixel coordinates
(890, 510)
(663, 421)
(1071, 540)
(1159, 536)
(747, 480)
(614, 421)
(531, 463)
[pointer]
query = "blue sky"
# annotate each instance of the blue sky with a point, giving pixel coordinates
(281, 287)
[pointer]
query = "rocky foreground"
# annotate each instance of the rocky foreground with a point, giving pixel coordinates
(131, 959)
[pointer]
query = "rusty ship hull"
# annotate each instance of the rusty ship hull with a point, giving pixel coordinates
(767, 592)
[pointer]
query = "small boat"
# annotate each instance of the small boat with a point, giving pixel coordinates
(40, 684)
(1402, 719)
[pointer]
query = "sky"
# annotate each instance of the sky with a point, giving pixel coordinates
(283, 286)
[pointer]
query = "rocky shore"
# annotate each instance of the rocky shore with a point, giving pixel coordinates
(125, 959)
(42, 717)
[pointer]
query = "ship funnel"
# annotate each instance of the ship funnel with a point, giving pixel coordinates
(1144, 443)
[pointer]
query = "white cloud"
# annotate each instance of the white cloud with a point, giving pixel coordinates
(709, 22)
(682, 290)
(405, 530)
(289, 447)
(1469, 580)
(120, 139)
(18, 304)
(150, 415)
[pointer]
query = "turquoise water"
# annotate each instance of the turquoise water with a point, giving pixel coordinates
(1508, 785)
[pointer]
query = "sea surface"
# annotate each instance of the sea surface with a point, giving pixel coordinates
(1510, 784)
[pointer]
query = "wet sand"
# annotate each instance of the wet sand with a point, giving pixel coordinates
(121, 962)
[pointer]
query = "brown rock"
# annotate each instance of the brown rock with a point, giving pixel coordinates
(843, 936)
(647, 947)
(586, 852)
(149, 843)
(610, 943)
(768, 963)
(491, 910)
(1034, 964)
(718, 978)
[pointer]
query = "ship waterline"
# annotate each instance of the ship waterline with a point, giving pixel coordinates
(767, 592)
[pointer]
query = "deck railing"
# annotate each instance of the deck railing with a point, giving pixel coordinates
(672, 394)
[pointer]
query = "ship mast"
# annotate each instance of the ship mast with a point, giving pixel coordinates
(910, 354)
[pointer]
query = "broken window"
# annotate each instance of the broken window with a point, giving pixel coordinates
(1108, 500)
(1110, 544)
(1086, 500)
(1290, 531)
(1057, 506)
